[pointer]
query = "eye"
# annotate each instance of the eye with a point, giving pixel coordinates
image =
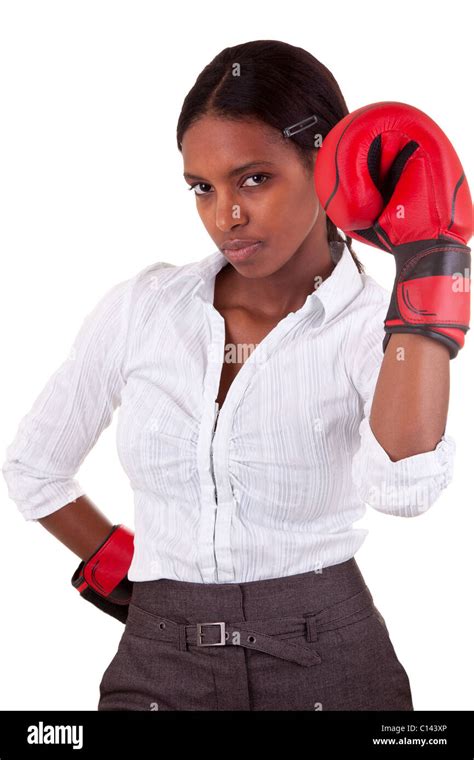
(198, 184)
(252, 177)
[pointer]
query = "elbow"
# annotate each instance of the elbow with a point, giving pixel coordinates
(38, 494)
(405, 487)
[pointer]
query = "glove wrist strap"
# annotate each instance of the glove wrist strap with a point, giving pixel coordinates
(107, 567)
(431, 293)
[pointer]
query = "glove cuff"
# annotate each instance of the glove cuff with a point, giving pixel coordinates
(102, 578)
(431, 293)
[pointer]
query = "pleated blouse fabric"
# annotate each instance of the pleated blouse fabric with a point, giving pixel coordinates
(269, 485)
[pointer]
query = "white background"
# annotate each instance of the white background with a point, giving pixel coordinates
(91, 191)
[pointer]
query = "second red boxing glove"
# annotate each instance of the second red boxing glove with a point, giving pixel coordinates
(102, 578)
(387, 175)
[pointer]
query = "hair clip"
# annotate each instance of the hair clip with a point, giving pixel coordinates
(299, 126)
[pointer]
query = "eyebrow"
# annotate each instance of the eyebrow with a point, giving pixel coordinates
(235, 171)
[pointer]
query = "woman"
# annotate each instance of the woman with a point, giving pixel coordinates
(245, 383)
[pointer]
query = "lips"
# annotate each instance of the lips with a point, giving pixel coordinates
(237, 244)
(241, 252)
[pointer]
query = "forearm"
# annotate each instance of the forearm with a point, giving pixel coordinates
(79, 525)
(411, 398)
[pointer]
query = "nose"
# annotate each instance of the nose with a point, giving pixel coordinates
(229, 213)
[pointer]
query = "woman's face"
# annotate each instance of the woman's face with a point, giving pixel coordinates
(273, 200)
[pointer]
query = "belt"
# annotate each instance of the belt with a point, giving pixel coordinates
(272, 636)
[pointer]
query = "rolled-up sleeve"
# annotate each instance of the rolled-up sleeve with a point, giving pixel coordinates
(409, 486)
(71, 411)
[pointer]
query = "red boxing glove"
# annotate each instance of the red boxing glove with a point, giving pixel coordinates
(102, 579)
(387, 175)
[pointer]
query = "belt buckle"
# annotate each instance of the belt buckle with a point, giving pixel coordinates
(200, 643)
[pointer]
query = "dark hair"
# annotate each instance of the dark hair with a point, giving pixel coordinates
(278, 84)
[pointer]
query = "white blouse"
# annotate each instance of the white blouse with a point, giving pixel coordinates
(267, 486)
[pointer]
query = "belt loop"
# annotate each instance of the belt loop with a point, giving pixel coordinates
(311, 630)
(182, 644)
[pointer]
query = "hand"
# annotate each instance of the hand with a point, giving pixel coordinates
(102, 578)
(387, 175)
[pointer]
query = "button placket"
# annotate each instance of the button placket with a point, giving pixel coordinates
(215, 532)
(208, 507)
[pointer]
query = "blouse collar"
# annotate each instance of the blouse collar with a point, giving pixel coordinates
(335, 292)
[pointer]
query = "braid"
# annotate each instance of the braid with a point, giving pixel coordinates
(333, 236)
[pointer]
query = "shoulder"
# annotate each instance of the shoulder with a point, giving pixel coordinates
(156, 283)
(161, 276)
(364, 351)
(367, 311)
(373, 296)
(159, 288)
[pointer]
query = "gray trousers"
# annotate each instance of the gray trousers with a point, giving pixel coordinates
(312, 641)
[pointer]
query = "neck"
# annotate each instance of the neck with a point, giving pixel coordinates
(286, 289)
